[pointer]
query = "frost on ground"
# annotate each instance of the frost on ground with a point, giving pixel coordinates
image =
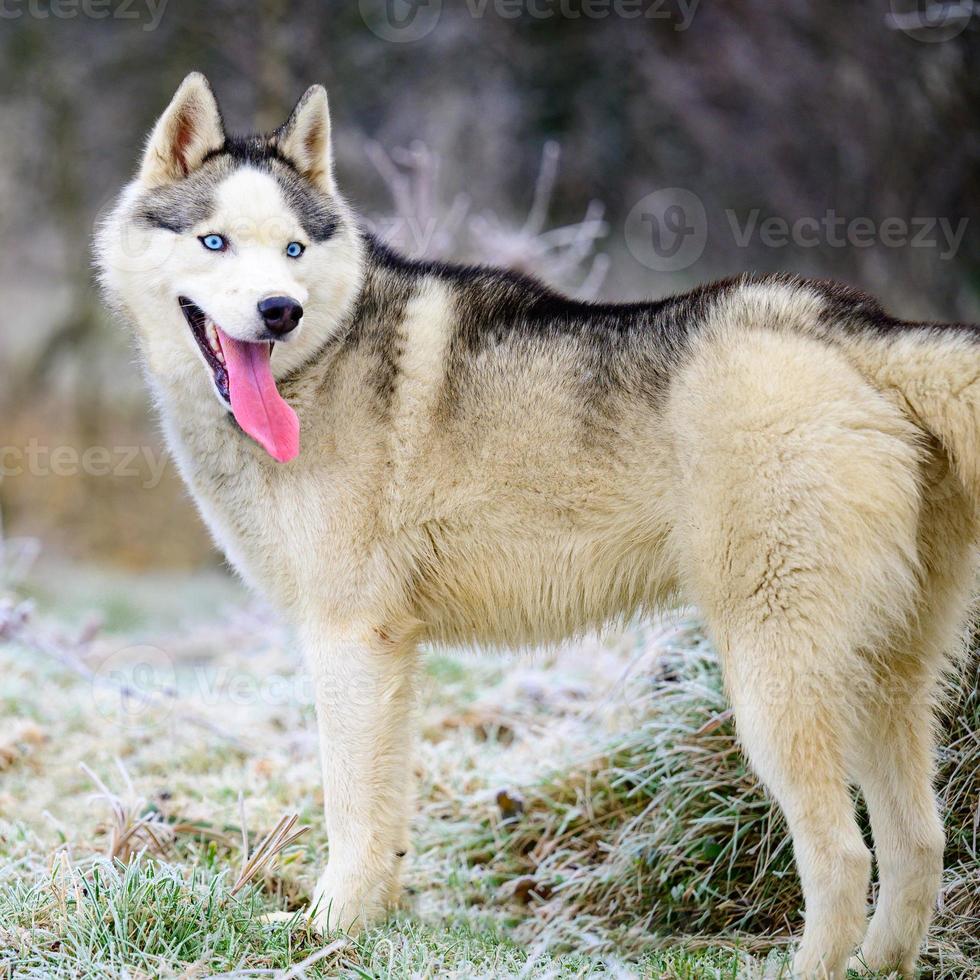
(582, 811)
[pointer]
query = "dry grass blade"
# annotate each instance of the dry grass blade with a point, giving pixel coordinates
(135, 828)
(131, 829)
(274, 843)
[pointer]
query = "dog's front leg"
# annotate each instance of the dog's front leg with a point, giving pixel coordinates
(365, 697)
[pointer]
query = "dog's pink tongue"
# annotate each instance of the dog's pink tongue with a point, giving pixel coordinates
(257, 405)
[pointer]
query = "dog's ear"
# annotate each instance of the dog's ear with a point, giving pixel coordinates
(305, 139)
(184, 135)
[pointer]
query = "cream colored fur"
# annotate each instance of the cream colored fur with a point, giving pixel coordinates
(813, 491)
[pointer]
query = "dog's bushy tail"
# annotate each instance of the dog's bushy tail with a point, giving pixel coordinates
(935, 370)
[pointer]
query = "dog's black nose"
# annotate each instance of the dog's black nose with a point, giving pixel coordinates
(280, 314)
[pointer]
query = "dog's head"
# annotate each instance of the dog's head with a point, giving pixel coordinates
(236, 257)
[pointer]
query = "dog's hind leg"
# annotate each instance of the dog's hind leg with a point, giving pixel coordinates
(897, 763)
(908, 833)
(793, 723)
(797, 506)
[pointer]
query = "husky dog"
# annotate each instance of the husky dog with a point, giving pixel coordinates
(396, 452)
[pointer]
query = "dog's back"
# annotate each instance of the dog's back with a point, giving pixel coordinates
(532, 454)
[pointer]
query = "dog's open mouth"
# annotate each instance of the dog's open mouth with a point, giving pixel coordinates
(242, 374)
(205, 332)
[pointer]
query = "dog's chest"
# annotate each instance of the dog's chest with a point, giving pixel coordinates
(275, 524)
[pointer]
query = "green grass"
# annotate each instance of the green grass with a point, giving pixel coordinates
(581, 813)
(157, 919)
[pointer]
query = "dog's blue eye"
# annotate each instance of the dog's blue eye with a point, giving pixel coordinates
(294, 250)
(214, 243)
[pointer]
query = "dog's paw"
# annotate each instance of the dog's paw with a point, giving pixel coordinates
(810, 965)
(866, 967)
(346, 906)
(330, 914)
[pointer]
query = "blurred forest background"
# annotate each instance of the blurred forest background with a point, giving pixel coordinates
(584, 804)
(525, 139)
